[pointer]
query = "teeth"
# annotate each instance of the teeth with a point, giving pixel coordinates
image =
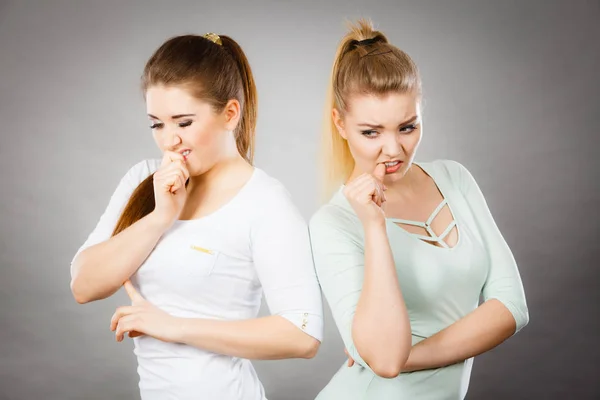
(185, 153)
(391, 164)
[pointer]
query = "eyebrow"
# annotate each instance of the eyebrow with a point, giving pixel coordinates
(174, 116)
(408, 121)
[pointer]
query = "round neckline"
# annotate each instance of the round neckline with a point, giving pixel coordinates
(226, 205)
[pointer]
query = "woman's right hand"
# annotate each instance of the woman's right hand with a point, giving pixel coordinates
(366, 196)
(169, 187)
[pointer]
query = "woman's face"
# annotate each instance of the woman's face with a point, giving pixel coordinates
(184, 124)
(382, 129)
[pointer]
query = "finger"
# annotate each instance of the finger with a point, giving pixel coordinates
(169, 157)
(171, 182)
(351, 188)
(132, 293)
(120, 313)
(369, 191)
(179, 184)
(378, 192)
(350, 362)
(127, 324)
(360, 185)
(167, 182)
(184, 171)
(177, 165)
(172, 178)
(379, 171)
(357, 181)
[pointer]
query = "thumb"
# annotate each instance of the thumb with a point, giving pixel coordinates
(132, 293)
(379, 172)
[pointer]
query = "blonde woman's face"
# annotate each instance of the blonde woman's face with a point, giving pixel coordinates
(382, 129)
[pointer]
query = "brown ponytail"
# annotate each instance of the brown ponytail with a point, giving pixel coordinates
(247, 126)
(215, 71)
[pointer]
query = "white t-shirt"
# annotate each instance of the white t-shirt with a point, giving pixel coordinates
(217, 267)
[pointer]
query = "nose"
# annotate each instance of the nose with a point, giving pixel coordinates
(170, 139)
(392, 144)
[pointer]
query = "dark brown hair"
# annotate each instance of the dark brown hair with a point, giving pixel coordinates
(213, 72)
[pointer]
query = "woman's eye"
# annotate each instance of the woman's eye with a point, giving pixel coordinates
(156, 125)
(184, 124)
(408, 128)
(369, 134)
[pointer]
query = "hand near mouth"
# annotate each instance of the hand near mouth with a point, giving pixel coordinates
(169, 187)
(366, 195)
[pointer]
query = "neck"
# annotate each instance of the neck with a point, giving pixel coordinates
(223, 175)
(406, 185)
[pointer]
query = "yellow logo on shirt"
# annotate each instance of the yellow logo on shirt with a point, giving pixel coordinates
(202, 249)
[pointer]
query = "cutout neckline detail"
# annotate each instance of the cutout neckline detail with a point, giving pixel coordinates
(433, 237)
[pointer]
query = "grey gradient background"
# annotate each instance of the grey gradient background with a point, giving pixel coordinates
(511, 91)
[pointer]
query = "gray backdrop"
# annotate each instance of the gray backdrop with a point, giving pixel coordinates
(511, 91)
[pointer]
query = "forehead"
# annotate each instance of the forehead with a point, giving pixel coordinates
(385, 109)
(170, 100)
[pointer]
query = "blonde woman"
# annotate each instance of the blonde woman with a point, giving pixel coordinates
(404, 249)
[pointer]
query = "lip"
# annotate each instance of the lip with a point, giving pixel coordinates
(391, 170)
(183, 151)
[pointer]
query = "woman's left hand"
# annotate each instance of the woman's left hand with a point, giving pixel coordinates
(350, 359)
(407, 367)
(143, 318)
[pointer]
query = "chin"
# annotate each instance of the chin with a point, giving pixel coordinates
(396, 176)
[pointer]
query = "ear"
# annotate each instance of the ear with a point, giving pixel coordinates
(338, 122)
(232, 114)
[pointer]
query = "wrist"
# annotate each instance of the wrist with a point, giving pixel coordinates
(179, 327)
(159, 222)
(374, 226)
(409, 365)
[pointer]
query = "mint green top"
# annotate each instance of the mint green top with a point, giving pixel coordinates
(440, 285)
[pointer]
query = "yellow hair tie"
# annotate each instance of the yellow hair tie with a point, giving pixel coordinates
(213, 37)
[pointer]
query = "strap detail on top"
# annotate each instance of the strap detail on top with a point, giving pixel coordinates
(433, 237)
(425, 225)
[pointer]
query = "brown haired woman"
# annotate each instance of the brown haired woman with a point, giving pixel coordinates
(197, 236)
(404, 250)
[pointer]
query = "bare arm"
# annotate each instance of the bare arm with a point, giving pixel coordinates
(480, 331)
(282, 258)
(267, 338)
(100, 270)
(358, 276)
(381, 328)
(106, 262)
(504, 311)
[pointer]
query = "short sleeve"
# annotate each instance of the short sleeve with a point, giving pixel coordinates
(283, 260)
(339, 261)
(117, 202)
(503, 281)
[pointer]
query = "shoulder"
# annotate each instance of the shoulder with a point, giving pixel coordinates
(267, 190)
(140, 171)
(450, 171)
(335, 216)
(269, 197)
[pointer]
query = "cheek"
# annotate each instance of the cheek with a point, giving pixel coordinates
(364, 149)
(201, 138)
(412, 142)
